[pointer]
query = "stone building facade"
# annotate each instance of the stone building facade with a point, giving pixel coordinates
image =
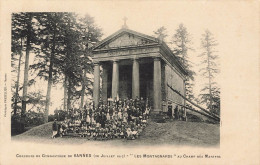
(136, 65)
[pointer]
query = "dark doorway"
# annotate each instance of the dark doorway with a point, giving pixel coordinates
(125, 81)
(146, 80)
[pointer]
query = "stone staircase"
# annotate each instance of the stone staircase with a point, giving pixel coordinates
(158, 117)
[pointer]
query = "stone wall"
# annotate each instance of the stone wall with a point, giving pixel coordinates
(175, 81)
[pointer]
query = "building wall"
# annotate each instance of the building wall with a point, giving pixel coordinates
(176, 82)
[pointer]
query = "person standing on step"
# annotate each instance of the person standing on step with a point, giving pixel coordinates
(103, 119)
(54, 128)
(176, 112)
(181, 113)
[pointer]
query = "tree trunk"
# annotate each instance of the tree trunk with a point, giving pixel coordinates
(18, 80)
(65, 93)
(83, 89)
(69, 86)
(210, 92)
(69, 95)
(26, 68)
(48, 96)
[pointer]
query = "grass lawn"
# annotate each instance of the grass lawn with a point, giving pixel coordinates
(170, 133)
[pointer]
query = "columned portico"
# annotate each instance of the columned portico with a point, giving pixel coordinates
(96, 89)
(115, 79)
(157, 85)
(135, 80)
(137, 66)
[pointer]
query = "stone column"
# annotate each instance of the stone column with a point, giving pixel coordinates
(163, 74)
(115, 80)
(166, 84)
(157, 85)
(96, 85)
(163, 80)
(184, 94)
(104, 83)
(135, 80)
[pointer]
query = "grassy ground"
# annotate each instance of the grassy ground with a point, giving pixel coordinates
(169, 133)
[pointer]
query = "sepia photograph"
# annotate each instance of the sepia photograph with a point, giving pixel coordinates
(123, 82)
(128, 87)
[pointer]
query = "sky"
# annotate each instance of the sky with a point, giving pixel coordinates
(232, 24)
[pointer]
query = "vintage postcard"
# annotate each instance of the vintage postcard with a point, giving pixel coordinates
(129, 82)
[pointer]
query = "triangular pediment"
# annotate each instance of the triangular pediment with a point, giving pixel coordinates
(125, 38)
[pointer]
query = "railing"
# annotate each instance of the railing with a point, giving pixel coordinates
(206, 113)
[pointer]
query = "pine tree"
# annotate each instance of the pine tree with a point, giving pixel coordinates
(17, 49)
(210, 93)
(181, 42)
(26, 65)
(90, 34)
(72, 57)
(23, 39)
(48, 58)
(62, 56)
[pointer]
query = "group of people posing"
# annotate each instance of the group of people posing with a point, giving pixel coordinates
(113, 119)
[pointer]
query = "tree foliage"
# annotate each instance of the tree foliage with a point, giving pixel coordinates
(181, 43)
(90, 34)
(24, 33)
(161, 33)
(210, 94)
(60, 42)
(64, 41)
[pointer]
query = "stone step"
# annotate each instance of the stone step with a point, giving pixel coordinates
(157, 117)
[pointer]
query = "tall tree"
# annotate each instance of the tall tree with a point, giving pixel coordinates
(50, 41)
(71, 62)
(61, 57)
(23, 32)
(210, 93)
(26, 65)
(17, 49)
(16, 95)
(181, 42)
(90, 34)
(48, 95)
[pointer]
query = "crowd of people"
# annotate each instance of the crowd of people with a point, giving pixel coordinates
(114, 119)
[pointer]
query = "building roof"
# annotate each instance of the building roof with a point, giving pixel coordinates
(152, 40)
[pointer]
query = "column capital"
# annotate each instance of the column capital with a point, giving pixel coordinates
(96, 62)
(115, 60)
(156, 58)
(135, 58)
